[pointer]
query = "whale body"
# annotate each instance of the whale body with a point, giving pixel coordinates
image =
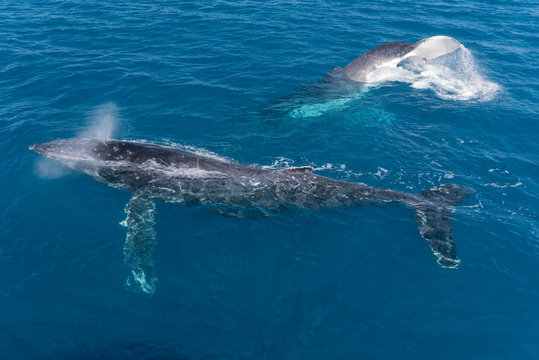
(396, 52)
(153, 172)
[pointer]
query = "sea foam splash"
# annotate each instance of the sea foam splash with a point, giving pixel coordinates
(453, 76)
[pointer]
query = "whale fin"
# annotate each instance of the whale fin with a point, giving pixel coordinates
(434, 215)
(298, 170)
(434, 47)
(140, 241)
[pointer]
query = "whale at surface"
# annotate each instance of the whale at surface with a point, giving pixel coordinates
(397, 52)
(400, 61)
(152, 172)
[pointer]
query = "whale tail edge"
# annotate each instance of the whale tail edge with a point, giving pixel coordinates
(433, 213)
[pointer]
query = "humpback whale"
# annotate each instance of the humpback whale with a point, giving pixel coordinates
(341, 87)
(154, 172)
(398, 52)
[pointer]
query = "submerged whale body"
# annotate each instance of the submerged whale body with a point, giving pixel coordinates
(153, 172)
(394, 53)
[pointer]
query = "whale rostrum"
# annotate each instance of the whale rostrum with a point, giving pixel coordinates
(154, 172)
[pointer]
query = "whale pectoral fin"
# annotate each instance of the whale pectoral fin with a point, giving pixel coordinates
(434, 217)
(140, 241)
(437, 229)
(434, 47)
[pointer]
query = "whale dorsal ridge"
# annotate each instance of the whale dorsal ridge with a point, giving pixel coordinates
(299, 170)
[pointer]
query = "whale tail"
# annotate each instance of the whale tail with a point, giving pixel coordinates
(433, 212)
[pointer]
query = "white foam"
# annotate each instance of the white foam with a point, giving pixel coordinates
(279, 163)
(381, 173)
(326, 166)
(140, 277)
(504, 186)
(454, 76)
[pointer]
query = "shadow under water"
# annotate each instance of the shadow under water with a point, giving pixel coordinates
(332, 95)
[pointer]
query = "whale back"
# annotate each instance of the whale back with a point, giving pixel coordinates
(134, 164)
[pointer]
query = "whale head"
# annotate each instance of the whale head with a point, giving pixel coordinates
(87, 156)
(67, 149)
(130, 164)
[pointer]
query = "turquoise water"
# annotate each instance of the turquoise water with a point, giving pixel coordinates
(242, 79)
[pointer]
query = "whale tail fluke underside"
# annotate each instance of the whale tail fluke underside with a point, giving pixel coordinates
(434, 217)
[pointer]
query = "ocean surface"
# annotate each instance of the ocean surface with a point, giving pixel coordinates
(242, 79)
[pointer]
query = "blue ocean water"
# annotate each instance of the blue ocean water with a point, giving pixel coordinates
(338, 284)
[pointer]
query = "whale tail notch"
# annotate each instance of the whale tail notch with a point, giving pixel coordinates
(433, 212)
